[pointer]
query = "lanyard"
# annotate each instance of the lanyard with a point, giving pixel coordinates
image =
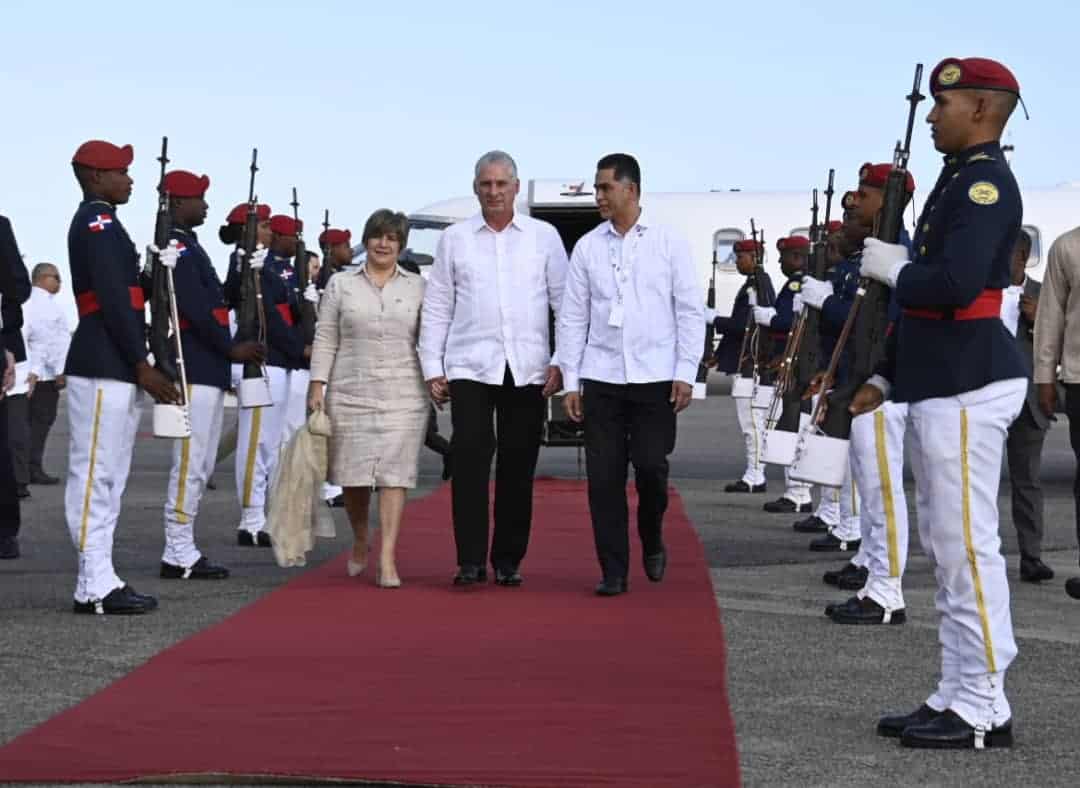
(621, 263)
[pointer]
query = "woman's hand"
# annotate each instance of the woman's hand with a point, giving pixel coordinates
(315, 395)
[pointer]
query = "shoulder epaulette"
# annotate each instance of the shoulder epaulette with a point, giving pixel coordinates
(980, 157)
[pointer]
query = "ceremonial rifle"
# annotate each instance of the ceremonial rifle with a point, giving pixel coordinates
(160, 317)
(867, 321)
(303, 279)
(324, 272)
(750, 350)
(251, 316)
(710, 329)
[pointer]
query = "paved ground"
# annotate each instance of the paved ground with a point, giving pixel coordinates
(805, 692)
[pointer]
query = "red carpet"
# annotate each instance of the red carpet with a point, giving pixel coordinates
(330, 677)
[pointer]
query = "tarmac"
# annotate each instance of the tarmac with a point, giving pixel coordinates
(805, 693)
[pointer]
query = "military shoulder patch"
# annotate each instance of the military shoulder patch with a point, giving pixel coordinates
(100, 223)
(983, 193)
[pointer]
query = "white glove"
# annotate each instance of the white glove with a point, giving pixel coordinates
(763, 315)
(883, 262)
(751, 297)
(258, 257)
(797, 303)
(814, 292)
(169, 255)
(710, 315)
(311, 293)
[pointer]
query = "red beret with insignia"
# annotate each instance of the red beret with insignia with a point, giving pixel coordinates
(954, 73)
(793, 243)
(876, 175)
(748, 245)
(332, 236)
(181, 183)
(101, 155)
(238, 215)
(285, 225)
(834, 226)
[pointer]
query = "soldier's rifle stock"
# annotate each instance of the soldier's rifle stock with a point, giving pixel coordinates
(753, 351)
(251, 316)
(710, 329)
(303, 278)
(161, 324)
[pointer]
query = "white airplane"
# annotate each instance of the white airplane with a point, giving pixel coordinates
(714, 221)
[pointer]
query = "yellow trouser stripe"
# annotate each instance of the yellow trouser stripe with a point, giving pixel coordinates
(181, 483)
(90, 470)
(980, 600)
(885, 478)
(253, 448)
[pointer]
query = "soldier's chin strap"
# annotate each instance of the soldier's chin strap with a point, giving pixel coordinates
(1023, 106)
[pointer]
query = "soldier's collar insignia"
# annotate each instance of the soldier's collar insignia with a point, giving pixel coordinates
(983, 193)
(980, 157)
(950, 75)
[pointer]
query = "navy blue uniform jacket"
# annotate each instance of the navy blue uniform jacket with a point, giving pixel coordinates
(286, 345)
(204, 319)
(111, 336)
(15, 288)
(962, 246)
(731, 329)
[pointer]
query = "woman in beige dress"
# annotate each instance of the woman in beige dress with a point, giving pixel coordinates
(366, 373)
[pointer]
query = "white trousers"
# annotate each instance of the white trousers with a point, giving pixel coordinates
(956, 446)
(193, 463)
(103, 417)
(296, 403)
(258, 440)
(877, 466)
(752, 424)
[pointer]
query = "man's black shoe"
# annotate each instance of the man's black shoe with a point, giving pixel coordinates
(950, 732)
(9, 548)
(892, 725)
(124, 601)
(40, 477)
(200, 570)
(263, 539)
(1072, 587)
(864, 611)
(742, 487)
(849, 577)
(786, 506)
(655, 565)
(830, 544)
(611, 586)
(468, 575)
(22, 491)
(1033, 570)
(811, 525)
(210, 484)
(337, 502)
(245, 538)
(507, 577)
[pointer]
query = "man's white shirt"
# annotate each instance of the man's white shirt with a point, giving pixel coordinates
(46, 334)
(648, 279)
(487, 300)
(1010, 306)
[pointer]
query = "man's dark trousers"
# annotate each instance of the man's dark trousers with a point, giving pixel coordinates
(518, 413)
(624, 423)
(9, 497)
(18, 408)
(1023, 447)
(43, 403)
(1072, 411)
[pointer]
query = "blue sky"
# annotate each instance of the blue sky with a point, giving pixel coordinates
(363, 105)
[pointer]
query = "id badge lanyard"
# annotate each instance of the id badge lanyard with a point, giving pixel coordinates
(621, 267)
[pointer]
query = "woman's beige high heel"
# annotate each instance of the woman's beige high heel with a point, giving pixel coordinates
(382, 583)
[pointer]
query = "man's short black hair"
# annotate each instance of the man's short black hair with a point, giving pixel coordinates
(624, 165)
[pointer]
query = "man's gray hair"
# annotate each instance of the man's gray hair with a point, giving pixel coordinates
(497, 157)
(42, 269)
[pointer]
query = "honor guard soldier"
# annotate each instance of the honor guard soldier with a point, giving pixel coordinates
(106, 368)
(231, 233)
(732, 330)
(261, 430)
(208, 352)
(777, 320)
(955, 365)
(338, 246)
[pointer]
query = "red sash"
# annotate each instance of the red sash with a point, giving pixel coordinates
(88, 302)
(988, 304)
(285, 310)
(221, 315)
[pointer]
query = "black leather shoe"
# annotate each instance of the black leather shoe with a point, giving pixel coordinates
(337, 502)
(507, 577)
(811, 525)
(210, 484)
(830, 544)
(9, 548)
(468, 575)
(655, 565)
(22, 491)
(1072, 587)
(864, 611)
(949, 731)
(1033, 570)
(200, 570)
(611, 586)
(892, 725)
(245, 538)
(849, 577)
(786, 506)
(43, 478)
(124, 601)
(263, 539)
(742, 487)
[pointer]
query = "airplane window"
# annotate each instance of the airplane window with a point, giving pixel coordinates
(724, 245)
(1036, 245)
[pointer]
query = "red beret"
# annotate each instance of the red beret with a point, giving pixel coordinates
(834, 226)
(793, 243)
(285, 225)
(953, 73)
(332, 236)
(748, 245)
(238, 215)
(876, 175)
(101, 155)
(181, 183)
